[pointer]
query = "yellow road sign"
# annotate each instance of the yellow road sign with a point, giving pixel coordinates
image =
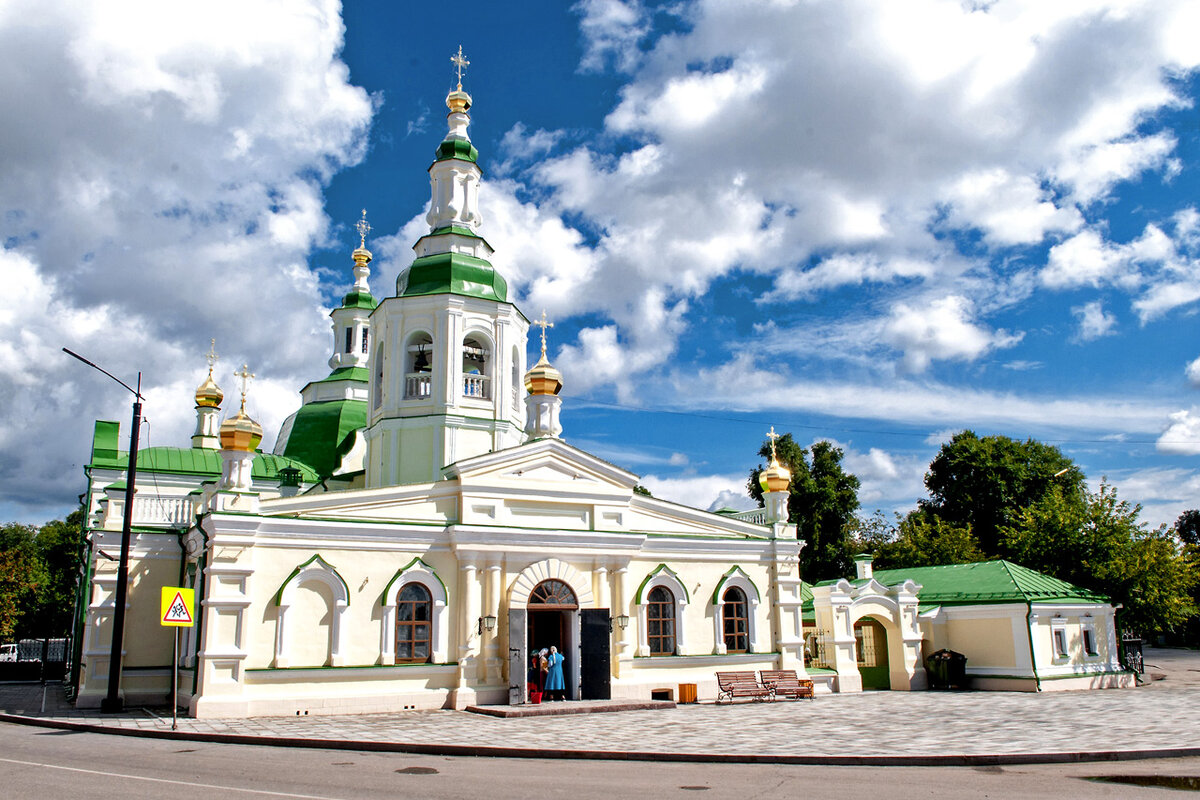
(177, 605)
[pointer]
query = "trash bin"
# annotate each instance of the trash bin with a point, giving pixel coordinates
(947, 670)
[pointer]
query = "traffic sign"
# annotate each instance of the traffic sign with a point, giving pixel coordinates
(177, 604)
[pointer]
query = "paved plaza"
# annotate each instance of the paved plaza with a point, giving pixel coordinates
(1163, 715)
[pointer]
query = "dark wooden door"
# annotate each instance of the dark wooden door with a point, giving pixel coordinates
(595, 654)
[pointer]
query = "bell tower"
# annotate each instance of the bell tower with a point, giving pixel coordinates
(449, 354)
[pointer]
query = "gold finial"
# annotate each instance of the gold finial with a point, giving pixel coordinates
(246, 375)
(459, 62)
(772, 435)
(212, 356)
(543, 324)
(363, 228)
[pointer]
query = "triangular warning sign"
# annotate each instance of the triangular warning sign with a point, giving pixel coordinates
(178, 611)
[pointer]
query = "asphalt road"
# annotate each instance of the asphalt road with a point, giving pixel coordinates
(45, 764)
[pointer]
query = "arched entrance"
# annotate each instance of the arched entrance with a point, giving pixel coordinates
(871, 652)
(551, 607)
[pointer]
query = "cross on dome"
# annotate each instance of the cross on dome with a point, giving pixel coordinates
(543, 324)
(772, 435)
(459, 62)
(212, 356)
(363, 227)
(246, 375)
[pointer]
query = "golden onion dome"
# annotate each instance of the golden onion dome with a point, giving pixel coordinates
(240, 432)
(208, 394)
(543, 378)
(458, 101)
(775, 478)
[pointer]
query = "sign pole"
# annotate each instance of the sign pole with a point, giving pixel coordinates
(175, 683)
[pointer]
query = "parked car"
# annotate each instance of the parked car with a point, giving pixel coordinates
(8, 652)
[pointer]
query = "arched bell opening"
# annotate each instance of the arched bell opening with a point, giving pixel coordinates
(476, 365)
(418, 374)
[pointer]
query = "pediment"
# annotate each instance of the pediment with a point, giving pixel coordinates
(546, 461)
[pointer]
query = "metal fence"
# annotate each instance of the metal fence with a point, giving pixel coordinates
(1131, 653)
(37, 660)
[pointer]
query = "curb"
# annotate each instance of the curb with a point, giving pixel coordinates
(488, 751)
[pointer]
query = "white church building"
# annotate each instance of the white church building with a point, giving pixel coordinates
(422, 527)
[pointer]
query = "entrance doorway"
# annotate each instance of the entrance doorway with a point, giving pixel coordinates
(871, 649)
(553, 621)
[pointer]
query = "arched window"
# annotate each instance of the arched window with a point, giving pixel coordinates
(378, 393)
(660, 621)
(476, 359)
(553, 593)
(414, 618)
(418, 374)
(736, 621)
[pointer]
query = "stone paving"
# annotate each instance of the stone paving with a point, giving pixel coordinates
(1163, 715)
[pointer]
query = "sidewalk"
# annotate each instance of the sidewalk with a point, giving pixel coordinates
(873, 727)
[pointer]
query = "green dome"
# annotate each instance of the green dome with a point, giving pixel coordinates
(318, 430)
(452, 273)
(457, 148)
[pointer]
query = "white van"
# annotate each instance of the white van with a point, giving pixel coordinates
(8, 652)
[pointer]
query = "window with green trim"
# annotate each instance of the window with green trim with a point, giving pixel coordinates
(414, 624)
(660, 621)
(736, 621)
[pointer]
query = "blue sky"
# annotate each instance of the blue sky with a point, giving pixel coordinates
(861, 221)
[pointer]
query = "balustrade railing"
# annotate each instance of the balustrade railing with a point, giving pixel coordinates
(162, 510)
(417, 385)
(478, 386)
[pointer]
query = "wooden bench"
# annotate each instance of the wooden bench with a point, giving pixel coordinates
(732, 685)
(784, 683)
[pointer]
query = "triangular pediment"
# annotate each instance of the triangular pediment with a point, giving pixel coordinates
(540, 462)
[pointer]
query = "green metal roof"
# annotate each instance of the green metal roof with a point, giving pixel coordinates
(319, 429)
(457, 148)
(359, 300)
(986, 582)
(452, 273)
(195, 461)
(347, 374)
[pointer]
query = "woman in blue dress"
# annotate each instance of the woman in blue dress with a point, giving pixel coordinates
(554, 675)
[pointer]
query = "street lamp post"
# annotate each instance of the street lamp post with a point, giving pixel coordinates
(112, 701)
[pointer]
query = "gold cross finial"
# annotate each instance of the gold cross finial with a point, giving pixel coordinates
(212, 356)
(363, 228)
(543, 324)
(246, 375)
(459, 62)
(772, 436)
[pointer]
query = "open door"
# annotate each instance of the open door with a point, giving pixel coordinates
(518, 663)
(595, 654)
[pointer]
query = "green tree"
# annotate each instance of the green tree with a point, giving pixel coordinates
(1187, 527)
(1099, 544)
(983, 483)
(822, 499)
(23, 580)
(926, 540)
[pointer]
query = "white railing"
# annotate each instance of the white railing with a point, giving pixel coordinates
(162, 510)
(417, 385)
(757, 516)
(478, 386)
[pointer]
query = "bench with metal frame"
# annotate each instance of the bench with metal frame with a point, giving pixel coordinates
(784, 683)
(731, 685)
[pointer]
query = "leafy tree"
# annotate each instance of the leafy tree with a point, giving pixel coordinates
(926, 540)
(1099, 544)
(1187, 527)
(822, 499)
(642, 490)
(983, 483)
(23, 579)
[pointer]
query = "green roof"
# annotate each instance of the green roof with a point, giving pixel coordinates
(319, 429)
(359, 300)
(457, 148)
(452, 273)
(195, 461)
(347, 374)
(986, 582)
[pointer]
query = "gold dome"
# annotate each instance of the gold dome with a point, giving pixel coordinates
(240, 432)
(543, 378)
(208, 394)
(775, 478)
(458, 101)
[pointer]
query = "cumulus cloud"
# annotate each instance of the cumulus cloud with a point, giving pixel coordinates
(611, 31)
(1193, 372)
(159, 181)
(1094, 321)
(1182, 436)
(942, 329)
(701, 491)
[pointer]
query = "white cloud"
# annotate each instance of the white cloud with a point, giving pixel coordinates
(1163, 492)
(942, 329)
(1094, 321)
(611, 32)
(1182, 436)
(1193, 372)
(162, 177)
(701, 491)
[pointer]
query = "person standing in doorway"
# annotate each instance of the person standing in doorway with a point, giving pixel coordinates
(554, 675)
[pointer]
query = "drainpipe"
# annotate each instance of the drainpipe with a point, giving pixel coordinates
(1037, 681)
(201, 593)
